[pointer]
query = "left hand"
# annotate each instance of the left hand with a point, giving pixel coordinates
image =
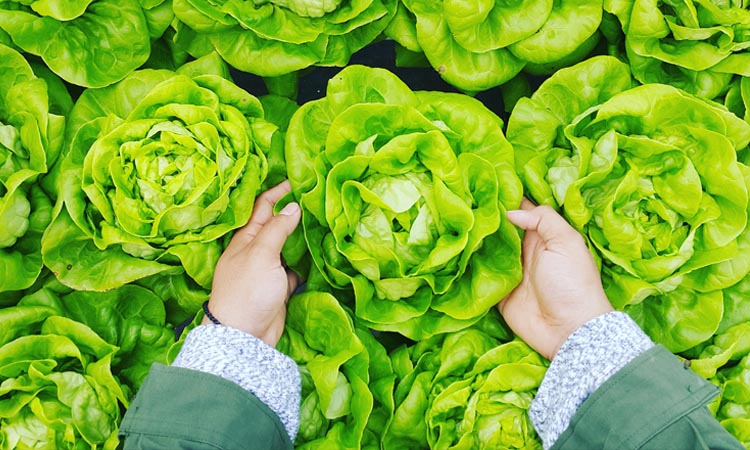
(251, 286)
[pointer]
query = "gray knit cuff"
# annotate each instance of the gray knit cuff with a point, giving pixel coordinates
(249, 362)
(588, 358)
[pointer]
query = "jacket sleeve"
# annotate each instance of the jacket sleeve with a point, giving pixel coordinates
(654, 402)
(177, 408)
(589, 357)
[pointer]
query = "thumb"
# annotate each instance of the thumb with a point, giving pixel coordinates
(270, 239)
(545, 221)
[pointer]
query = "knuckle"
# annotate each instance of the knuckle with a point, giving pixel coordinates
(545, 210)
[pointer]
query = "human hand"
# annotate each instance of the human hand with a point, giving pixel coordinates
(251, 286)
(561, 287)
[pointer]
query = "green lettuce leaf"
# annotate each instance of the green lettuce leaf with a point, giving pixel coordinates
(279, 111)
(132, 318)
(679, 319)
(737, 98)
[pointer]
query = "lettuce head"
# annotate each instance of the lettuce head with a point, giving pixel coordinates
(160, 168)
(347, 378)
(404, 196)
(699, 46)
(464, 390)
(651, 176)
(71, 360)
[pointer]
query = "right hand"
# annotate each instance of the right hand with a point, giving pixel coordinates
(251, 284)
(561, 287)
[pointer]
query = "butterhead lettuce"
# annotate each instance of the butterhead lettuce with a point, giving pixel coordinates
(464, 390)
(404, 196)
(650, 176)
(70, 361)
(161, 166)
(699, 46)
(347, 380)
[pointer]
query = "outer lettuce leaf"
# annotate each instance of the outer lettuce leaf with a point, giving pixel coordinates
(696, 45)
(403, 29)
(161, 166)
(91, 43)
(736, 305)
(734, 405)
(279, 111)
(680, 319)
(131, 318)
(347, 381)
(32, 125)
(284, 85)
(650, 175)
(280, 37)
(402, 193)
(721, 351)
(165, 53)
(478, 45)
(381, 384)
(732, 339)
(737, 99)
(182, 296)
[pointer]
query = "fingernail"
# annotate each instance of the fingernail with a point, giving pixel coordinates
(516, 216)
(290, 209)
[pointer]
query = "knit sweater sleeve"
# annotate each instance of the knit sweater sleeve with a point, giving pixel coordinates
(249, 362)
(588, 358)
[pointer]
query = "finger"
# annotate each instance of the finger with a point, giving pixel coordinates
(267, 244)
(501, 305)
(530, 247)
(544, 220)
(293, 279)
(527, 205)
(263, 209)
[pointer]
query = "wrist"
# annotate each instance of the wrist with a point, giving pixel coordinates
(268, 334)
(580, 320)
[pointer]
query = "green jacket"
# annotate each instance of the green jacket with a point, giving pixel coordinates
(652, 403)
